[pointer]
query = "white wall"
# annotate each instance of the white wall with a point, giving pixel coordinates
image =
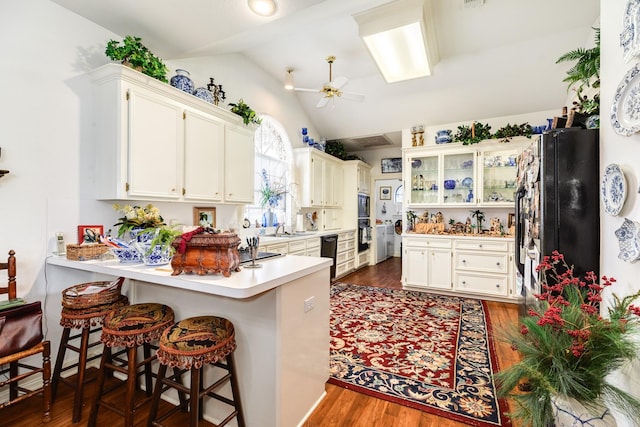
(624, 151)
(46, 130)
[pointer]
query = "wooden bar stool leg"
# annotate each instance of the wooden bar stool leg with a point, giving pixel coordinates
(157, 392)
(235, 389)
(148, 374)
(82, 365)
(201, 394)
(62, 350)
(46, 381)
(194, 409)
(132, 382)
(13, 387)
(93, 416)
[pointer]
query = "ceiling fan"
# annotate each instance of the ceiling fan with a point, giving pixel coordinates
(332, 89)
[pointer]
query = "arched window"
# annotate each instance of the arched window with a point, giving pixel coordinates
(273, 162)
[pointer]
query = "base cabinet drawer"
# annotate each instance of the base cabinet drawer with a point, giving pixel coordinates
(483, 262)
(481, 284)
(313, 251)
(297, 246)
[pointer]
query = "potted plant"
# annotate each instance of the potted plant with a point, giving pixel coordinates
(568, 349)
(270, 193)
(134, 54)
(246, 112)
(138, 218)
(584, 77)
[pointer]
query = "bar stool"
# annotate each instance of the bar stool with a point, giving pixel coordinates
(129, 327)
(188, 345)
(89, 321)
(84, 311)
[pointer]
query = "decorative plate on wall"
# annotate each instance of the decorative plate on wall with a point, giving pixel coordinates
(625, 110)
(613, 189)
(629, 38)
(629, 240)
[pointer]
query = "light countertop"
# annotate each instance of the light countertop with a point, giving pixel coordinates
(243, 284)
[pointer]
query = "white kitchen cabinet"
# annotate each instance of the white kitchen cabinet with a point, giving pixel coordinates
(472, 266)
(364, 178)
(345, 254)
(426, 263)
(239, 164)
(155, 142)
(203, 164)
(331, 219)
(381, 243)
(313, 247)
(321, 178)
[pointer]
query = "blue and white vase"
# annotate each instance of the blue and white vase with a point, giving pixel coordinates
(182, 81)
(157, 256)
(569, 412)
(204, 94)
(143, 236)
(128, 255)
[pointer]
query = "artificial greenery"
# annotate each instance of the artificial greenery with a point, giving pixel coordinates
(585, 73)
(472, 134)
(479, 216)
(243, 110)
(147, 217)
(568, 348)
(164, 237)
(270, 192)
(505, 133)
(134, 54)
(336, 149)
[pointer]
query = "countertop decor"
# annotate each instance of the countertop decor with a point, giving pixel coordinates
(569, 349)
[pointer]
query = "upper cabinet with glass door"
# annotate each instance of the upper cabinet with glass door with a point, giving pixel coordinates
(483, 174)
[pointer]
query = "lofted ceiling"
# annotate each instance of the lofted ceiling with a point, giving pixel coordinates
(497, 59)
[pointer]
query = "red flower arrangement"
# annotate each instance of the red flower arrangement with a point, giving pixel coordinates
(568, 348)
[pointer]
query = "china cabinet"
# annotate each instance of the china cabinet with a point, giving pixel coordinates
(482, 174)
(155, 142)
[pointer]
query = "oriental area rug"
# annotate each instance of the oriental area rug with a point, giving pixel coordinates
(430, 352)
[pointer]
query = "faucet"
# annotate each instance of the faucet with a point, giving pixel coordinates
(278, 228)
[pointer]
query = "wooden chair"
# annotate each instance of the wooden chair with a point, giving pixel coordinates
(14, 365)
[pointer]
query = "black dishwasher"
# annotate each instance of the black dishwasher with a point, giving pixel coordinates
(329, 249)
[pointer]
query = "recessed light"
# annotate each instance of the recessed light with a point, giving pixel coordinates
(263, 7)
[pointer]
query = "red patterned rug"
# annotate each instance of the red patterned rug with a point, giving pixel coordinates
(430, 352)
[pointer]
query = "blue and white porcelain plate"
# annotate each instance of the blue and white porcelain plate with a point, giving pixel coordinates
(625, 110)
(629, 40)
(467, 182)
(629, 240)
(613, 189)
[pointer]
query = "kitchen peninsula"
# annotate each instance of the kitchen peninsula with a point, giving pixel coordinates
(283, 352)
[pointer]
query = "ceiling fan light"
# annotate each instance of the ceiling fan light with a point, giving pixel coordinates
(401, 39)
(288, 79)
(263, 7)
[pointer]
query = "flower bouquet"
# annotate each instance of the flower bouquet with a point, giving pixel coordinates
(137, 217)
(568, 349)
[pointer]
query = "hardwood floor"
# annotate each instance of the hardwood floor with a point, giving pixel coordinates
(340, 408)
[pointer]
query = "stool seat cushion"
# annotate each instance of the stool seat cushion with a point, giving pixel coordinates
(91, 316)
(136, 324)
(196, 341)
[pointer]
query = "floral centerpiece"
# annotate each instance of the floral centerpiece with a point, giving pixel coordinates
(567, 348)
(137, 217)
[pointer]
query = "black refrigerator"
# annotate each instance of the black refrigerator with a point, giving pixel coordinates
(557, 204)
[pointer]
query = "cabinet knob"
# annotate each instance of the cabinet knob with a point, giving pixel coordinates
(498, 263)
(464, 282)
(464, 261)
(498, 285)
(480, 245)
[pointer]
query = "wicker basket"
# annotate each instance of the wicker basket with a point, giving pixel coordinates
(71, 299)
(86, 252)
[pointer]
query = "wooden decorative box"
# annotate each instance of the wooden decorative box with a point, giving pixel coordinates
(207, 253)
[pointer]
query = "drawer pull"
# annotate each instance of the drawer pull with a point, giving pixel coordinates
(498, 264)
(464, 283)
(480, 245)
(464, 261)
(498, 285)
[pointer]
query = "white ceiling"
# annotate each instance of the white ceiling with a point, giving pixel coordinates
(495, 60)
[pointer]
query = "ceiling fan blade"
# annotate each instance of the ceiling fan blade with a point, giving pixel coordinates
(352, 96)
(323, 101)
(339, 82)
(304, 89)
